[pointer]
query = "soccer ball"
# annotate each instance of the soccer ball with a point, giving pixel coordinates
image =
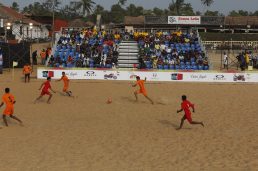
(109, 101)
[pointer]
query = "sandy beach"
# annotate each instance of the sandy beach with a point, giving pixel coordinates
(85, 133)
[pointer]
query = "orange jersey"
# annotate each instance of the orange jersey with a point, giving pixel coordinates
(26, 69)
(66, 80)
(8, 99)
(140, 83)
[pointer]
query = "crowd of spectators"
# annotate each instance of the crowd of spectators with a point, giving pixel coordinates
(171, 50)
(247, 58)
(86, 48)
(160, 50)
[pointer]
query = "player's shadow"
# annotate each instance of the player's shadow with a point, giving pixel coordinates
(132, 100)
(168, 123)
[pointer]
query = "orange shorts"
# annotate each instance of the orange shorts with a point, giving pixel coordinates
(65, 89)
(8, 111)
(142, 92)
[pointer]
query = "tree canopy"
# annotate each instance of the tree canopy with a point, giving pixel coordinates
(88, 10)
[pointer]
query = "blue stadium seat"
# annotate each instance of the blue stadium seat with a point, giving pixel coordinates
(91, 65)
(149, 66)
(206, 67)
(182, 67)
(177, 67)
(194, 67)
(160, 67)
(165, 67)
(188, 67)
(192, 60)
(172, 67)
(200, 67)
(57, 65)
(108, 66)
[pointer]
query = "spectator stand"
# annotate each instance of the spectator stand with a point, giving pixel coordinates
(84, 47)
(162, 50)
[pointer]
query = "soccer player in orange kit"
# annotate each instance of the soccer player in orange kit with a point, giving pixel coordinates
(66, 84)
(27, 71)
(9, 101)
(142, 89)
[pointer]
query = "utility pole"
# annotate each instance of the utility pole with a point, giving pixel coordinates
(53, 23)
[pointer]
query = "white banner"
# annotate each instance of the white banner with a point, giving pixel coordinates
(187, 20)
(150, 75)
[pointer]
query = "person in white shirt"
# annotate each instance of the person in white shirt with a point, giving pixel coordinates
(225, 60)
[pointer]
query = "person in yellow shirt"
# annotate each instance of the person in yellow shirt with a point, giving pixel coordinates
(247, 59)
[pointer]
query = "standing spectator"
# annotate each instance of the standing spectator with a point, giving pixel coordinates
(34, 57)
(43, 55)
(247, 59)
(256, 59)
(243, 62)
(225, 61)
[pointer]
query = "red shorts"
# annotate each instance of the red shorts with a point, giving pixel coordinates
(188, 117)
(45, 93)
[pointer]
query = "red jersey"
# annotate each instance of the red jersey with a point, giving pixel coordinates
(46, 86)
(186, 105)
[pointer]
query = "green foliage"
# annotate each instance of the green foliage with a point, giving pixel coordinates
(179, 7)
(241, 13)
(213, 13)
(207, 3)
(88, 10)
(15, 6)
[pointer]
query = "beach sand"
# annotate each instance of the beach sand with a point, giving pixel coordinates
(86, 133)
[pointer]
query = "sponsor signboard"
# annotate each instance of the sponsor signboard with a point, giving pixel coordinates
(184, 20)
(176, 76)
(150, 75)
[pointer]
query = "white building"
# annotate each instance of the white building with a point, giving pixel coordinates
(21, 27)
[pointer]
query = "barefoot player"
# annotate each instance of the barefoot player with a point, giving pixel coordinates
(66, 84)
(27, 71)
(185, 106)
(142, 89)
(46, 85)
(9, 101)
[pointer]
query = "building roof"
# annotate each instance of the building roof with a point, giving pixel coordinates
(243, 20)
(13, 16)
(80, 23)
(128, 20)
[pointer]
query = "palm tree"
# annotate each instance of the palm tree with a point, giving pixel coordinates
(207, 2)
(86, 5)
(122, 2)
(176, 6)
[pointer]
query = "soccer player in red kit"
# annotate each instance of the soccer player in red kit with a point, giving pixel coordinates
(46, 85)
(185, 106)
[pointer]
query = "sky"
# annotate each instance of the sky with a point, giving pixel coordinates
(223, 6)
